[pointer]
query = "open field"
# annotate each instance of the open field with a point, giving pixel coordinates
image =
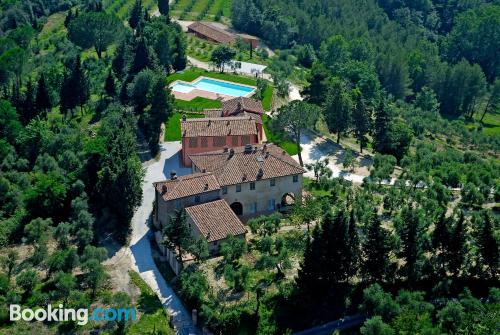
(207, 10)
(491, 123)
(121, 8)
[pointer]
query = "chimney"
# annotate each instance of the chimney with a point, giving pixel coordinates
(226, 149)
(184, 118)
(260, 174)
(248, 148)
(164, 189)
(203, 170)
(206, 187)
(173, 175)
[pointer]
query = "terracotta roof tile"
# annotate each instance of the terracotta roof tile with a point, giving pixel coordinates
(216, 220)
(216, 113)
(185, 186)
(242, 104)
(212, 113)
(262, 162)
(218, 127)
(212, 32)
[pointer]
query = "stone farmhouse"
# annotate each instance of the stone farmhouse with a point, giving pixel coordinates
(228, 186)
(237, 123)
(211, 32)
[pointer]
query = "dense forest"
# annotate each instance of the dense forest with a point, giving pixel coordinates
(76, 97)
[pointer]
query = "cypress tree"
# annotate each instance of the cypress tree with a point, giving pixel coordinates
(179, 51)
(164, 9)
(361, 121)
(109, 85)
(411, 234)
(141, 57)
(161, 107)
(376, 247)
(80, 81)
(313, 277)
(135, 14)
(43, 102)
(488, 245)
(440, 241)
(67, 99)
(353, 246)
(456, 247)
(28, 106)
(74, 90)
(381, 131)
(68, 18)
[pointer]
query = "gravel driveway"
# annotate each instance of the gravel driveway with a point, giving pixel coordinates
(140, 245)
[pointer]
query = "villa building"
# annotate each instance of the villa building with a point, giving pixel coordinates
(209, 31)
(237, 123)
(228, 186)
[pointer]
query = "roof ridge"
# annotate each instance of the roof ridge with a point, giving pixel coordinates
(284, 161)
(221, 118)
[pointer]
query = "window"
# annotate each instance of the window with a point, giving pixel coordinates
(234, 141)
(219, 141)
(271, 205)
(238, 188)
(224, 190)
(252, 186)
(204, 142)
(295, 178)
(272, 182)
(253, 208)
(245, 139)
(197, 199)
(193, 142)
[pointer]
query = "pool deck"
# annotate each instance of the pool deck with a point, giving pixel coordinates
(206, 94)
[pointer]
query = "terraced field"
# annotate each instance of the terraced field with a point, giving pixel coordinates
(122, 7)
(207, 10)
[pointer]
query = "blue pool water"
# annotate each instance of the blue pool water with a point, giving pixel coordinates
(215, 86)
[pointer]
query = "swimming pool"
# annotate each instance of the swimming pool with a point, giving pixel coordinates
(214, 86)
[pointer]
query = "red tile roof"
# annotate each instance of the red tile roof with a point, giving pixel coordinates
(185, 186)
(211, 32)
(215, 113)
(261, 162)
(216, 220)
(242, 104)
(218, 127)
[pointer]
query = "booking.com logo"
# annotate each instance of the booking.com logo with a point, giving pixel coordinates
(81, 316)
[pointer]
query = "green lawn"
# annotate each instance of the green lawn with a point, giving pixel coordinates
(173, 126)
(197, 104)
(289, 146)
(153, 315)
(491, 123)
(193, 73)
